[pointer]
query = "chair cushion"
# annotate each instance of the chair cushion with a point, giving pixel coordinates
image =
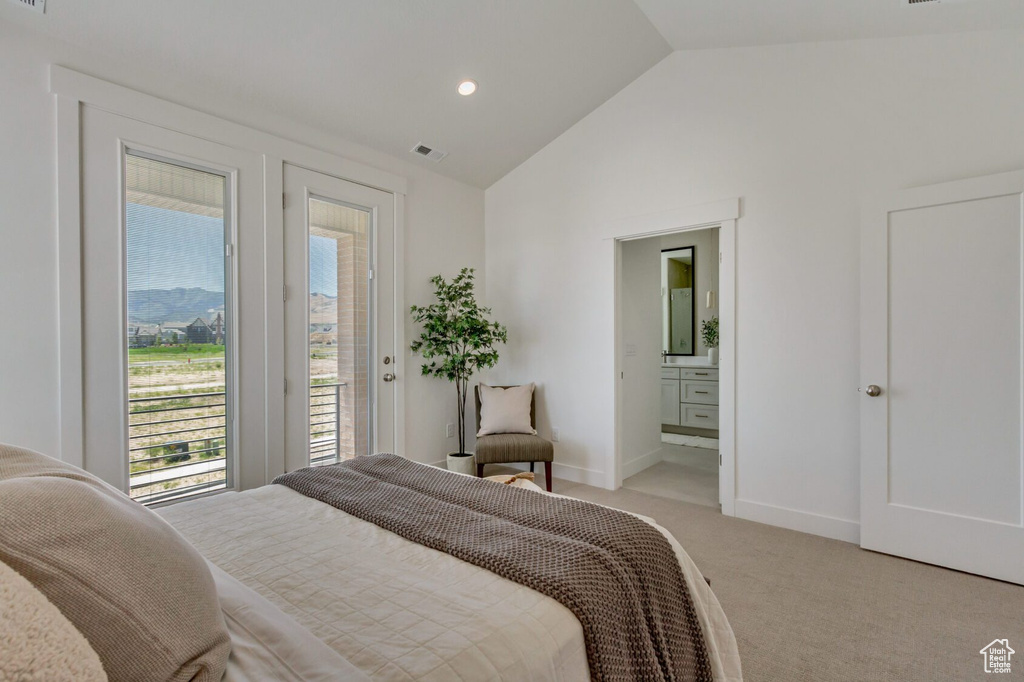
(139, 592)
(502, 448)
(505, 410)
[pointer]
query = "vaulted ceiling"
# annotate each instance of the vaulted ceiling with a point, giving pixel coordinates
(698, 24)
(384, 72)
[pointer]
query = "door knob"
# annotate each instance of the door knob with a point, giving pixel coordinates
(389, 377)
(873, 391)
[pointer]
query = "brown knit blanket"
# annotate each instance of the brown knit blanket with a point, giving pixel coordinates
(618, 575)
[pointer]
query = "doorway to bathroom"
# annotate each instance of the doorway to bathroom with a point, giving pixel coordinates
(669, 321)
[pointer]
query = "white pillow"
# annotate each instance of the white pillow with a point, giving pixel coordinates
(505, 410)
(37, 643)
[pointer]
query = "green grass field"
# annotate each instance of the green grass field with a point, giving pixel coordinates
(179, 353)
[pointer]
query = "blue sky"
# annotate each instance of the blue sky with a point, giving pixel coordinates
(171, 249)
(323, 266)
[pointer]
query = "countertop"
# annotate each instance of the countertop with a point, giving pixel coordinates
(689, 361)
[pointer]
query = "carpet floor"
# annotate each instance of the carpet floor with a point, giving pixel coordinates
(806, 608)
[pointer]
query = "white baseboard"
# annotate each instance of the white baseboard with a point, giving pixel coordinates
(635, 466)
(805, 522)
(567, 472)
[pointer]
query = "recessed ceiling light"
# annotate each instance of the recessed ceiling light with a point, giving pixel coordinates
(467, 87)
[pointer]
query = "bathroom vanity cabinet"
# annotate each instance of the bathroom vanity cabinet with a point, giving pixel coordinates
(689, 396)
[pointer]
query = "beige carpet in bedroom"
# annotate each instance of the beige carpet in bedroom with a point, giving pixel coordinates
(805, 608)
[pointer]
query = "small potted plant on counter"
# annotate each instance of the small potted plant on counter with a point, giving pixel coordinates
(709, 334)
(457, 340)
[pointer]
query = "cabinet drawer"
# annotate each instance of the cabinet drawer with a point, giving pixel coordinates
(699, 374)
(698, 415)
(698, 392)
(669, 372)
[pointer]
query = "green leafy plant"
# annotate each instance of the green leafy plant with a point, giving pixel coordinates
(457, 338)
(709, 332)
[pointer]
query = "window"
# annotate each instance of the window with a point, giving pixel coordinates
(179, 331)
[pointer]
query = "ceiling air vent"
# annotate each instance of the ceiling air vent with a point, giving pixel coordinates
(37, 5)
(915, 3)
(434, 155)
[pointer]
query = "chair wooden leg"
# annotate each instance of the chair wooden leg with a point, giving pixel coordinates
(479, 470)
(531, 467)
(547, 475)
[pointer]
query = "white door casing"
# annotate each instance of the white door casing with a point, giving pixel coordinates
(942, 453)
(724, 215)
(300, 184)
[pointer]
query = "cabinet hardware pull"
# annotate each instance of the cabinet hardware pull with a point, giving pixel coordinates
(701, 374)
(702, 416)
(701, 392)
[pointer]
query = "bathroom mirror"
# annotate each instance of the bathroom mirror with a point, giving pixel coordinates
(678, 324)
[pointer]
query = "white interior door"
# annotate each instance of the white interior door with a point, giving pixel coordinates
(942, 286)
(339, 319)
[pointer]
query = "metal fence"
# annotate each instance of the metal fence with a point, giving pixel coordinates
(177, 443)
(325, 429)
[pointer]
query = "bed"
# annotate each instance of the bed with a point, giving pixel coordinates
(338, 573)
(394, 609)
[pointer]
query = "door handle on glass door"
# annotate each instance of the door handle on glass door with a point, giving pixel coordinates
(389, 377)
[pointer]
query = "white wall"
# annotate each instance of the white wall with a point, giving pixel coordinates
(443, 232)
(801, 133)
(641, 329)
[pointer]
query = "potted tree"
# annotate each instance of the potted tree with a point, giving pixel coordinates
(457, 340)
(709, 334)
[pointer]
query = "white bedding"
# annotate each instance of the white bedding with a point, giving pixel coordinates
(267, 644)
(393, 609)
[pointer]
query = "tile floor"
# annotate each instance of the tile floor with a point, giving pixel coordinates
(687, 474)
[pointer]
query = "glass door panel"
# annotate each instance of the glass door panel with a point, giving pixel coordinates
(177, 220)
(339, 330)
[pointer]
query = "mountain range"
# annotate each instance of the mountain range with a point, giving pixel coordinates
(323, 309)
(157, 306)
